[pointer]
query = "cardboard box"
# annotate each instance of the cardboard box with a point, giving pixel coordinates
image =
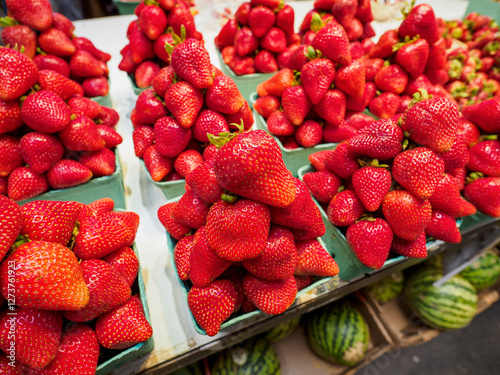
(126, 7)
(171, 189)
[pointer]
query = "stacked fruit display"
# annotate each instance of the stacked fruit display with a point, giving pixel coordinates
(47, 38)
(247, 232)
(145, 54)
(68, 277)
(254, 40)
(51, 136)
(189, 99)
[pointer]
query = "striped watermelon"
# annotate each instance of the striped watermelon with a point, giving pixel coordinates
(387, 288)
(282, 330)
(338, 333)
(253, 356)
(451, 306)
(484, 271)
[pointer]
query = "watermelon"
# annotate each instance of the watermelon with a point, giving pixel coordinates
(338, 333)
(387, 288)
(192, 369)
(282, 330)
(253, 356)
(484, 271)
(450, 306)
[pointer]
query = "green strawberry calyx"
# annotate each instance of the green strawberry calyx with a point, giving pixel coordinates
(366, 217)
(419, 96)
(407, 8)
(151, 2)
(316, 22)
(372, 163)
(473, 177)
(229, 197)
(177, 39)
(224, 137)
(407, 40)
(8, 21)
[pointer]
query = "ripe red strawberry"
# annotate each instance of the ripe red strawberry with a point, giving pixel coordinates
(260, 20)
(278, 258)
(371, 241)
(63, 86)
(371, 185)
(309, 133)
(45, 326)
(62, 277)
(152, 21)
(420, 20)
(342, 161)
(245, 42)
(10, 116)
(187, 161)
(84, 64)
(11, 218)
(317, 159)
(383, 48)
(19, 73)
(55, 42)
(107, 288)
(270, 296)
(447, 198)
(351, 79)
(254, 152)
(11, 157)
(332, 107)
(158, 166)
(191, 62)
(279, 125)
(443, 227)
(209, 121)
(303, 281)
(484, 194)
(232, 226)
(226, 34)
(265, 62)
(378, 140)
(125, 261)
(81, 134)
(317, 76)
(180, 15)
(124, 326)
(274, 40)
(407, 215)
(6, 366)
(21, 36)
(170, 137)
(51, 221)
(174, 228)
(182, 256)
(243, 116)
(213, 304)
(101, 163)
(285, 19)
(344, 11)
(143, 138)
(313, 259)
(68, 173)
(413, 56)
(391, 78)
(82, 106)
(432, 123)
(108, 117)
(24, 183)
(345, 208)
(204, 264)
(96, 208)
(333, 43)
(275, 85)
(148, 109)
(359, 104)
(296, 105)
(45, 111)
(78, 352)
(203, 182)
(484, 157)
(52, 62)
(322, 184)
(458, 156)
(35, 14)
(418, 171)
(190, 210)
(87, 45)
(111, 137)
(385, 105)
(411, 249)
(97, 86)
(184, 101)
(484, 114)
(224, 96)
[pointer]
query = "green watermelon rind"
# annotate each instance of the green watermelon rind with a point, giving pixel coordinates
(260, 358)
(387, 288)
(484, 271)
(451, 306)
(338, 334)
(282, 330)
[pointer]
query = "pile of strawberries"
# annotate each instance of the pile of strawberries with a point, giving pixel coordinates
(145, 53)
(247, 232)
(47, 38)
(258, 35)
(189, 99)
(52, 137)
(67, 279)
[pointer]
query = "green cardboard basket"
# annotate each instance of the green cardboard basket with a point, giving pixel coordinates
(103, 100)
(171, 189)
(100, 187)
(485, 7)
(126, 7)
(473, 222)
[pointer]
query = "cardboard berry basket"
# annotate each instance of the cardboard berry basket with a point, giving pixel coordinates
(137, 90)
(247, 84)
(475, 221)
(114, 359)
(171, 189)
(126, 7)
(100, 187)
(103, 100)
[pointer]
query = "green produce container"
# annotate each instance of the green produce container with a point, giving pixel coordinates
(101, 187)
(485, 7)
(476, 221)
(137, 90)
(103, 100)
(171, 189)
(126, 7)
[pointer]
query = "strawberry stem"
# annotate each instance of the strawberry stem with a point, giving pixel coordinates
(407, 8)
(419, 96)
(473, 177)
(8, 21)
(406, 41)
(367, 217)
(229, 197)
(224, 137)
(316, 22)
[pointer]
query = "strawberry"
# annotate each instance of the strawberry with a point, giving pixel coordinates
(84, 64)
(265, 62)
(278, 258)
(359, 104)
(385, 105)
(245, 42)
(87, 45)
(182, 256)
(36, 14)
(24, 183)
(55, 42)
(309, 133)
(187, 161)
(294, 57)
(260, 20)
(383, 48)
(313, 259)
(148, 108)
(204, 264)
(420, 82)
(11, 157)
(108, 117)
(323, 185)
(372, 66)
(143, 137)
(107, 288)
(333, 43)
(231, 226)
(68, 173)
(224, 96)
(412, 249)
(52, 62)
(371, 241)
(81, 134)
(45, 111)
(163, 80)
(296, 105)
(270, 296)
(180, 15)
(484, 157)
(420, 20)
(124, 326)
(272, 4)
(278, 124)
(101, 163)
(62, 276)
(332, 107)
(413, 56)
(317, 76)
(111, 137)
(7, 367)
(273, 40)
(243, 116)
(82, 106)
(11, 218)
(125, 261)
(342, 161)
(152, 21)
(26, 324)
(209, 152)
(174, 228)
(458, 156)
(191, 61)
(484, 115)
(303, 281)
(19, 73)
(358, 120)
(317, 159)
(285, 19)
(158, 166)
(253, 153)
(190, 210)
(98, 86)
(95, 208)
(51, 221)
(443, 227)
(21, 36)
(213, 304)
(275, 85)
(345, 208)
(447, 199)
(203, 182)
(344, 11)
(391, 78)
(226, 34)
(432, 123)
(351, 79)
(484, 194)
(371, 185)
(10, 116)
(378, 140)
(63, 86)
(170, 137)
